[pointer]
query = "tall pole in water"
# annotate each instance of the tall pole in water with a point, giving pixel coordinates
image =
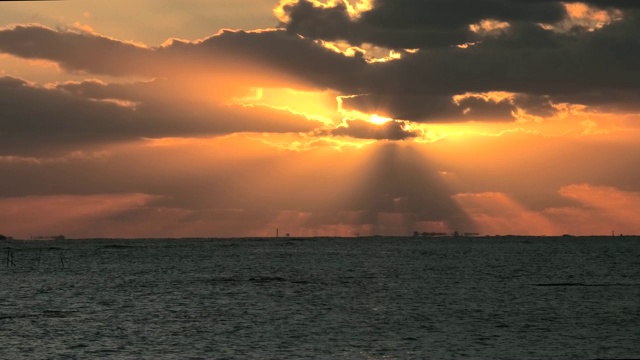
(277, 232)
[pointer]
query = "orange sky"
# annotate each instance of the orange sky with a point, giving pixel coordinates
(318, 118)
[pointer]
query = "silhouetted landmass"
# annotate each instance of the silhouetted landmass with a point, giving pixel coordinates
(426, 235)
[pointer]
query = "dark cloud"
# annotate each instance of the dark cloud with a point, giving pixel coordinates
(360, 129)
(432, 107)
(289, 54)
(571, 62)
(535, 105)
(610, 100)
(225, 55)
(538, 64)
(37, 119)
(457, 13)
(412, 24)
(77, 51)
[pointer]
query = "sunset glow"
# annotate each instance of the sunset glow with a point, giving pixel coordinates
(379, 120)
(319, 118)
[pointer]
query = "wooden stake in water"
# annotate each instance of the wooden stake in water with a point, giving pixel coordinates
(10, 257)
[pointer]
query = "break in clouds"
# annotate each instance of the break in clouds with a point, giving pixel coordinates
(449, 53)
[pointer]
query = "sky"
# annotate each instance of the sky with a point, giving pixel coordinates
(234, 118)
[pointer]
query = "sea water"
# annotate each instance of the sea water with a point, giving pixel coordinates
(321, 298)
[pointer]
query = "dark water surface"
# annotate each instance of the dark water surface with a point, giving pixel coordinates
(366, 298)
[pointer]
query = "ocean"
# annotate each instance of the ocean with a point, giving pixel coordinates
(321, 298)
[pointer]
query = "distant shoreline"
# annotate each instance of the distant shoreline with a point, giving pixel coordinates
(310, 238)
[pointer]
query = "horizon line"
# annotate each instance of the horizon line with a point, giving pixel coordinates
(9, 238)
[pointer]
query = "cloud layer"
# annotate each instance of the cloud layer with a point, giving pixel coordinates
(72, 116)
(543, 52)
(522, 47)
